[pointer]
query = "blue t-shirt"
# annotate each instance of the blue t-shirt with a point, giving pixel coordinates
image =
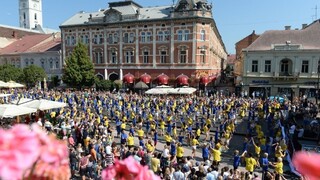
(205, 152)
(265, 163)
(236, 160)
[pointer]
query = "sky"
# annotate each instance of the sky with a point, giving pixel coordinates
(235, 19)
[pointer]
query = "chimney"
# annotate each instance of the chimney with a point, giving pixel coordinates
(304, 26)
(14, 35)
(287, 27)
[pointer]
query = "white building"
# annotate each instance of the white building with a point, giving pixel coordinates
(30, 13)
(283, 62)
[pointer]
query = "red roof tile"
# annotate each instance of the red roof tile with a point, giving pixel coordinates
(24, 44)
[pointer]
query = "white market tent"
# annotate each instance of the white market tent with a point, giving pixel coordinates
(4, 95)
(3, 84)
(12, 84)
(10, 110)
(183, 90)
(41, 104)
(163, 89)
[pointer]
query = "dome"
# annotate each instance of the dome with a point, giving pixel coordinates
(182, 80)
(128, 78)
(162, 79)
(204, 80)
(146, 78)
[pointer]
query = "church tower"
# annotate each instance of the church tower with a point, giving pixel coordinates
(30, 13)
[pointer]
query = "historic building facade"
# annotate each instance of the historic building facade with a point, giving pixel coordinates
(129, 38)
(283, 62)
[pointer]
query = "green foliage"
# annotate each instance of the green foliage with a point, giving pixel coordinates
(9, 72)
(104, 85)
(32, 74)
(78, 71)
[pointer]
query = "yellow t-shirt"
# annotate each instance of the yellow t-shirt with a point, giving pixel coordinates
(195, 142)
(123, 126)
(167, 138)
(198, 132)
(140, 132)
(180, 152)
(250, 164)
(149, 147)
(130, 140)
(155, 163)
(216, 155)
(278, 168)
(257, 149)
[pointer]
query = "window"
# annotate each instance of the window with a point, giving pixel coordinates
(18, 63)
(31, 62)
(97, 39)
(148, 37)
(98, 57)
(145, 56)
(73, 40)
(284, 68)
(267, 66)
(183, 35)
(113, 38)
(203, 57)
(203, 35)
(125, 37)
(51, 64)
(131, 38)
(180, 35)
(143, 37)
(113, 57)
(254, 67)
(183, 56)
(305, 66)
(42, 64)
(160, 36)
(35, 16)
(129, 57)
(57, 64)
(163, 56)
(318, 69)
(84, 39)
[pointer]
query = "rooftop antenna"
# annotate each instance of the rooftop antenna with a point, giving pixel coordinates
(315, 13)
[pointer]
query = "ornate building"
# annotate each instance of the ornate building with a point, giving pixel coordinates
(283, 62)
(129, 38)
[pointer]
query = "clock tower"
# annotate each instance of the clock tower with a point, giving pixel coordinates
(30, 13)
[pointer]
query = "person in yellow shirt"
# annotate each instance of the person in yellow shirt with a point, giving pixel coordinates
(257, 148)
(198, 133)
(168, 139)
(216, 154)
(130, 141)
(140, 133)
(278, 167)
(180, 152)
(194, 143)
(251, 163)
(155, 162)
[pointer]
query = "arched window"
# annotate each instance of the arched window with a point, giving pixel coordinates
(203, 35)
(35, 16)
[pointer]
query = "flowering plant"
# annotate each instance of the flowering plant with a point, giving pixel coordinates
(30, 153)
(308, 164)
(128, 169)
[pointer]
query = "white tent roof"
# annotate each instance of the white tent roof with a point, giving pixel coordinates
(183, 90)
(41, 104)
(10, 110)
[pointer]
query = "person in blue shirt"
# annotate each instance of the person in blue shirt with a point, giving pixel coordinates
(180, 137)
(123, 137)
(236, 160)
(173, 148)
(205, 152)
(265, 164)
(155, 138)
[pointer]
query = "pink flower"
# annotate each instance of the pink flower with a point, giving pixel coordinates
(146, 174)
(19, 150)
(128, 169)
(54, 153)
(307, 163)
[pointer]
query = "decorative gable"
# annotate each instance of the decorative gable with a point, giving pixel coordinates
(112, 15)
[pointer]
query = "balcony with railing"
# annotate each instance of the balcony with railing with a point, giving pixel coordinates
(286, 75)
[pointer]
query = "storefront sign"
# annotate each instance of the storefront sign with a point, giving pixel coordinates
(260, 82)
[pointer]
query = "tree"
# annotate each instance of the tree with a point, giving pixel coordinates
(78, 71)
(104, 85)
(9, 72)
(33, 74)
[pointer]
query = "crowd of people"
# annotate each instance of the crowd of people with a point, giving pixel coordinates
(160, 131)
